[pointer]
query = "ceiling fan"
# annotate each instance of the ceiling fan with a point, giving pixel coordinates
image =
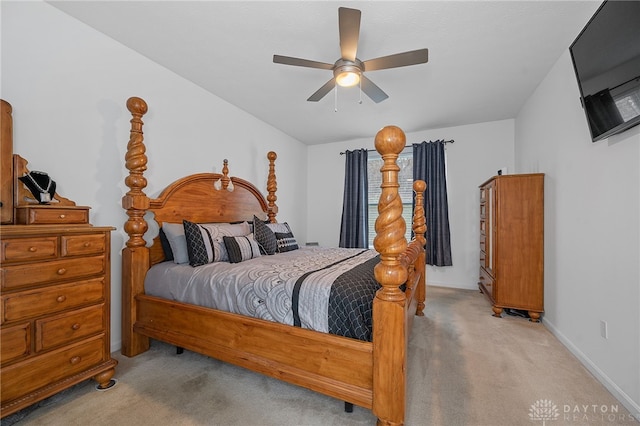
(349, 70)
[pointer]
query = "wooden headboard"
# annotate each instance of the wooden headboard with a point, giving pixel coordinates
(200, 198)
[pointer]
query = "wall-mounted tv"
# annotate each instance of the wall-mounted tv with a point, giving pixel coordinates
(606, 59)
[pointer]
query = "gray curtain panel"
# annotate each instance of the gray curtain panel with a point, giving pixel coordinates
(429, 165)
(354, 229)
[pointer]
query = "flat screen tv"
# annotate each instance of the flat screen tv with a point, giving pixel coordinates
(606, 60)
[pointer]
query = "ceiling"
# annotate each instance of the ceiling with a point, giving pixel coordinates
(485, 57)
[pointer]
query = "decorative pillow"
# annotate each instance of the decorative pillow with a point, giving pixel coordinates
(279, 227)
(166, 247)
(177, 241)
(241, 248)
(264, 236)
(286, 242)
(205, 241)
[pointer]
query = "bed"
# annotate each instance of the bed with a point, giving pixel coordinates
(370, 373)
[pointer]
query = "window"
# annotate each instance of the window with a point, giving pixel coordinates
(627, 101)
(405, 178)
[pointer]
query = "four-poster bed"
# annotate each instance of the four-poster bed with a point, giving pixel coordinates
(371, 374)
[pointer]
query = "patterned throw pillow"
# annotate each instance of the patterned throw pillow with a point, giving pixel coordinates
(241, 248)
(286, 242)
(205, 242)
(264, 236)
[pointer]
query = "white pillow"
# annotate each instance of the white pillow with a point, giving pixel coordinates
(177, 241)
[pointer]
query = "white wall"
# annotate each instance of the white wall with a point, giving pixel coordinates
(592, 231)
(478, 152)
(68, 85)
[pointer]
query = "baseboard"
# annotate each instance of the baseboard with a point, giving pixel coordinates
(609, 384)
(449, 285)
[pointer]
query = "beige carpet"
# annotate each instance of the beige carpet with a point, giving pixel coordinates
(465, 366)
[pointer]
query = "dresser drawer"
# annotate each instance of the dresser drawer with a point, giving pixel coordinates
(48, 300)
(26, 249)
(46, 215)
(15, 342)
(79, 245)
(65, 328)
(24, 275)
(24, 377)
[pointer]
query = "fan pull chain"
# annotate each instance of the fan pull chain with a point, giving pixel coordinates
(335, 99)
(360, 87)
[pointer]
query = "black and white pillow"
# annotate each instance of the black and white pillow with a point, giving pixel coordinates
(241, 248)
(286, 242)
(264, 236)
(285, 239)
(205, 242)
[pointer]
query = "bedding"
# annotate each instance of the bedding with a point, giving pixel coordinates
(324, 289)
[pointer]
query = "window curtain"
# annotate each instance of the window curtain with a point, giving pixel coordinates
(355, 215)
(429, 165)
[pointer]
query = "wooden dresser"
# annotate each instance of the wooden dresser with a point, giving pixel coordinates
(512, 243)
(54, 315)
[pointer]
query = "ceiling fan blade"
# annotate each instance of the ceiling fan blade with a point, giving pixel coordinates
(371, 90)
(287, 60)
(413, 57)
(349, 26)
(321, 92)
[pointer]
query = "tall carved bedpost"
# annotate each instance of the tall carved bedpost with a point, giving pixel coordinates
(389, 340)
(135, 254)
(419, 230)
(272, 187)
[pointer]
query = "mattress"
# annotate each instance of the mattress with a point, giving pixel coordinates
(329, 290)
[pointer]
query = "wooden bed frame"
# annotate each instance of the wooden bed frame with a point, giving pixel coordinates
(369, 374)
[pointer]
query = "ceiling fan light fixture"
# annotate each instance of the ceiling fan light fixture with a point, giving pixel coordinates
(347, 73)
(348, 78)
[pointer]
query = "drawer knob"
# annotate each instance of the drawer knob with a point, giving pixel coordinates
(62, 271)
(61, 299)
(75, 326)
(87, 244)
(33, 249)
(62, 216)
(75, 360)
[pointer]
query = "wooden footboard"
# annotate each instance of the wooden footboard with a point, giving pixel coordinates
(369, 374)
(333, 365)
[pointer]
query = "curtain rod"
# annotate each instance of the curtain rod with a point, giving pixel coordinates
(407, 146)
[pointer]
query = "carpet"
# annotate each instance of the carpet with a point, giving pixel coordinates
(465, 367)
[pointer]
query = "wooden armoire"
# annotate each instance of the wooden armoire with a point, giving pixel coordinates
(512, 243)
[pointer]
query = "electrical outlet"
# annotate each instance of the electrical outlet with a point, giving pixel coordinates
(603, 329)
